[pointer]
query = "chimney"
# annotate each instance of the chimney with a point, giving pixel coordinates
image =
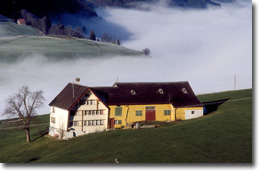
(77, 81)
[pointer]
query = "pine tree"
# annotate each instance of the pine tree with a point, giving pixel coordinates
(92, 35)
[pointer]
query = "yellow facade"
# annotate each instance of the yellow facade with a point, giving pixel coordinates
(129, 113)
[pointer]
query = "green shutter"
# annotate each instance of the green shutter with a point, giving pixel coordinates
(167, 112)
(138, 113)
(119, 121)
(118, 111)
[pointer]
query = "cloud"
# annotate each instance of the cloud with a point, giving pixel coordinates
(205, 47)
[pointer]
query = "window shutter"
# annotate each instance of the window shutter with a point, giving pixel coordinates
(138, 113)
(118, 111)
(167, 112)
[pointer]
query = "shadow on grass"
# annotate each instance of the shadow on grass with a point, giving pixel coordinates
(33, 159)
(41, 134)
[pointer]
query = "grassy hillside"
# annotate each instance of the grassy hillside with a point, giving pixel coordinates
(20, 41)
(11, 49)
(9, 28)
(224, 136)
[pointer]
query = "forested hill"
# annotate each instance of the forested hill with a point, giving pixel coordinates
(41, 8)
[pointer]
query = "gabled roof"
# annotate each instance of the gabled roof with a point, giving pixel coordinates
(65, 98)
(179, 94)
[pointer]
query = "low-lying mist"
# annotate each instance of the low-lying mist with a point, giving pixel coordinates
(205, 47)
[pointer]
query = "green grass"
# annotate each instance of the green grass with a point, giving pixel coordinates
(224, 136)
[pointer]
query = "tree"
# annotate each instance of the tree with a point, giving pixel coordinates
(92, 35)
(23, 105)
(106, 37)
(146, 51)
(45, 24)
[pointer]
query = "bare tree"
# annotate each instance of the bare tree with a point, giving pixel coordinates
(23, 105)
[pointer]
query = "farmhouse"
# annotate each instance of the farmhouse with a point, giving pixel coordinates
(78, 109)
(21, 22)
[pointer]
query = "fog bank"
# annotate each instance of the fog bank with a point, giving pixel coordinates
(205, 47)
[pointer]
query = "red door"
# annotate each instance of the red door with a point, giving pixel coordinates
(150, 113)
(112, 122)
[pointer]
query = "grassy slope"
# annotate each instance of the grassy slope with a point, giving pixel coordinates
(56, 49)
(224, 136)
(23, 41)
(9, 28)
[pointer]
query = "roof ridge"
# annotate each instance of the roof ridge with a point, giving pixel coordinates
(149, 82)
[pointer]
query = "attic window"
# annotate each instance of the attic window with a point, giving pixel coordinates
(184, 90)
(133, 92)
(160, 91)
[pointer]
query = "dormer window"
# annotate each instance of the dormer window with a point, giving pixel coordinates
(133, 92)
(160, 91)
(184, 90)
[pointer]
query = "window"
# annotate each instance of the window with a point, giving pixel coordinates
(53, 120)
(93, 112)
(118, 111)
(101, 122)
(133, 92)
(85, 123)
(97, 122)
(101, 112)
(98, 112)
(86, 112)
(90, 123)
(160, 91)
(167, 112)
(138, 113)
(184, 90)
(75, 123)
(89, 112)
(53, 110)
(118, 121)
(94, 122)
(150, 107)
(192, 112)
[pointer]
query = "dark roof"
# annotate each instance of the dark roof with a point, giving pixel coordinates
(179, 94)
(65, 98)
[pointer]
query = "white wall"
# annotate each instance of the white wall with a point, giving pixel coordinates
(197, 113)
(61, 118)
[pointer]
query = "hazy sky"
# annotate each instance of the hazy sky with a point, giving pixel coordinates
(205, 47)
